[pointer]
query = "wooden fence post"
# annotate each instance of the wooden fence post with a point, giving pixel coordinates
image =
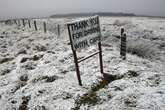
(44, 27)
(58, 30)
(35, 25)
(29, 23)
(23, 22)
(19, 24)
(123, 47)
(15, 21)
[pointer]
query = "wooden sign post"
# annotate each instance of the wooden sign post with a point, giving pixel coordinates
(82, 34)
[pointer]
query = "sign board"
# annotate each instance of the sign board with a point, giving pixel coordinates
(84, 33)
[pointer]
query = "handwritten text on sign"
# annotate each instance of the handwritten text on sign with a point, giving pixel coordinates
(85, 33)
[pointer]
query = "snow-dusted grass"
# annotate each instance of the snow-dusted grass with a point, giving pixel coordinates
(91, 98)
(37, 69)
(142, 48)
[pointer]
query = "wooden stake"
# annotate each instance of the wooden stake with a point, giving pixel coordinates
(122, 31)
(29, 23)
(15, 21)
(58, 27)
(44, 27)
(123, 46)
(35, 25)
(23, 22)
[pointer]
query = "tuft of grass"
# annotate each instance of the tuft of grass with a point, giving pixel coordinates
(91, 97)
(5, 71)
(4, 60)
(47, 79)
(24, 104)
(122, 23)
(142, 49)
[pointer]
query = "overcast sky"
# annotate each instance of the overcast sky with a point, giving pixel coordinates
(35, 8)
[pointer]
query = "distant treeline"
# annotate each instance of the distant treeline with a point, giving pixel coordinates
(90, 14)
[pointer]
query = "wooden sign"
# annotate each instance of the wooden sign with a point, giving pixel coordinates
(84, 33)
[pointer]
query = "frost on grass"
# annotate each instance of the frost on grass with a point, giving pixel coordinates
(90, 98)
(37, 69)
(5, 59)
(142, 48)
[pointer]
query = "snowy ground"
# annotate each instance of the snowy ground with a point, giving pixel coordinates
(37, 70)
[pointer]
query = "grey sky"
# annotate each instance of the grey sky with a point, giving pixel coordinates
(34, 8)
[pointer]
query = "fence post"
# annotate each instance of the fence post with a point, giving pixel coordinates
(123, 47)
(29, 23)
(15, 21)
(44, 27)
(23, 22)
(35, 25)
(19, 24)
(58, 29)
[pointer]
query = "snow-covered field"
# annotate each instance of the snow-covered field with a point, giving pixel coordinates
(37, 70)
